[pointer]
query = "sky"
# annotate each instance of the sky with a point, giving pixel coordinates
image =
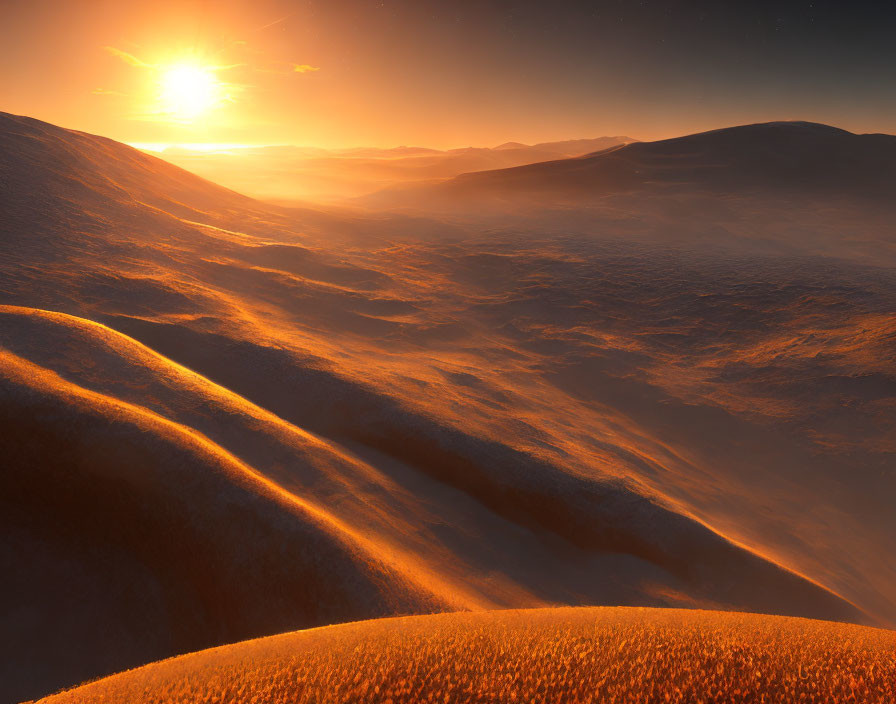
(340, 73)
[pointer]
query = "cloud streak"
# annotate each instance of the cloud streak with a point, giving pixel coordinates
(128, 58)
(271, 24)
(305, 68)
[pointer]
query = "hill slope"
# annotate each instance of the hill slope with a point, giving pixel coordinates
(770, 157)
(582, 655)
(139, 470)
(48, 167)
(474, 419)
(142, 532)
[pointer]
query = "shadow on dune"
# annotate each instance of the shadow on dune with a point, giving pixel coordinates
(129, 537)
(590, 514)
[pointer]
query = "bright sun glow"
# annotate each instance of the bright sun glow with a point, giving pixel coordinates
(188, 90)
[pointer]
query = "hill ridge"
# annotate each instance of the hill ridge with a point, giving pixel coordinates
(783, 157)
(588, 654)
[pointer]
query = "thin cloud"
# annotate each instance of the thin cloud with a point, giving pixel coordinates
(271, 24)
(128, 58)
(305, 68)
(140, 63)
(106, 91)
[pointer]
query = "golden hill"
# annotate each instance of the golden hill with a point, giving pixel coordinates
(598, 654)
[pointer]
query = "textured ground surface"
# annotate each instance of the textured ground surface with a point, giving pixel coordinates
(545, 655)
(255, 419)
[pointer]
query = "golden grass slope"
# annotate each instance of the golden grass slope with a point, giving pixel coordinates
(597, 654)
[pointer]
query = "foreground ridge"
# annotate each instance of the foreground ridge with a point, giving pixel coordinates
(587, 654)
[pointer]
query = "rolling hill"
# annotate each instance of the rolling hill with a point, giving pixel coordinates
(768, 158)
(114, 514)
(582, 655)
(297, 174)
(782, 188)
(255, 419)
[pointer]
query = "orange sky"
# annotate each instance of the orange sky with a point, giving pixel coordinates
(431, 73)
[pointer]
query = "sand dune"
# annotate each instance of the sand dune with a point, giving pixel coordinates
(143, 532)
(583, 655)
(82, 423)
(453, 415)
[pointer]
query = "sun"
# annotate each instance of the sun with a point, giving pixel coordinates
(188, 90)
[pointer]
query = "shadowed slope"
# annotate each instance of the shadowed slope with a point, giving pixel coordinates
(770, 157)
(596, 515)
(73, 412)
(140, 531)
(546, 655)
(52, 167)
(66, 190)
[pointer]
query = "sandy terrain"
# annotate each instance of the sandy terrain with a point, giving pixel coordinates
(356, 414)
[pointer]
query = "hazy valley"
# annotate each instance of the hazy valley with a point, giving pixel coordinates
(629, 378)
(294, 174)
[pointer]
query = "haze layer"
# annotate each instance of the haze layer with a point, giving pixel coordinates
(254, 419)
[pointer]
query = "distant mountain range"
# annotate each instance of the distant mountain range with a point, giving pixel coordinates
(289, 173)
(774, 157)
